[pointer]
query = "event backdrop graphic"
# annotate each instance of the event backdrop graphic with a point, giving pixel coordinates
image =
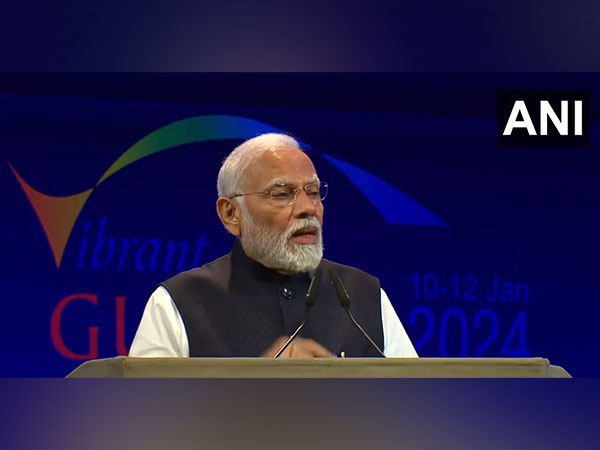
(110, 189)
(58, 214)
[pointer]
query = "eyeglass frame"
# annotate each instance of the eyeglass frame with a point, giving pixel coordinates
(297, 190)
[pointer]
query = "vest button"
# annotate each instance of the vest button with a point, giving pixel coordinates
(286, 293)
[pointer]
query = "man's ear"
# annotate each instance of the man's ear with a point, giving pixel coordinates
(230, 215)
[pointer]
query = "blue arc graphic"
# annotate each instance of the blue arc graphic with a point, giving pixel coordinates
(394, 205)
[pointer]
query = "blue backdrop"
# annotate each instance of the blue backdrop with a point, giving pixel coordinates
(108, 183)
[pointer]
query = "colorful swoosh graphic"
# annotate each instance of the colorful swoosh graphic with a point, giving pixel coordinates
(59, 214)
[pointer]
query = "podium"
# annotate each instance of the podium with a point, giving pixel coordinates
(126, 367)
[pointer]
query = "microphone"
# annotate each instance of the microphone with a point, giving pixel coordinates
(344, 300)
(311, 298)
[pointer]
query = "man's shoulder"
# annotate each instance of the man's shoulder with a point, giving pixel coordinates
(204, 272)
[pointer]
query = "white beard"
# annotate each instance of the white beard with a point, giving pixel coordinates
(274, 250)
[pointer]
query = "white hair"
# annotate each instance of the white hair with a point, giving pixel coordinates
(232, 174)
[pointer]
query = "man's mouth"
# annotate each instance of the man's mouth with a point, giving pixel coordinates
(305, 236)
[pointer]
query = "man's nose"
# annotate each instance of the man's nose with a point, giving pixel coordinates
(304, 206)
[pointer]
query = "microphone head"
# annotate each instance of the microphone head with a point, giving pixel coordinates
(340, 290)
(311, 295)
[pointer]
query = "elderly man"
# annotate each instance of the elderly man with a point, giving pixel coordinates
(246, 303)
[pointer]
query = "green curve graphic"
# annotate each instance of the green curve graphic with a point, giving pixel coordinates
(187, 131)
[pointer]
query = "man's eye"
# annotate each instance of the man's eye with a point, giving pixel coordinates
(280, 194)
(313, 192)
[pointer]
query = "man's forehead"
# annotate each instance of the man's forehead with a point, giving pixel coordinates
(288, 165)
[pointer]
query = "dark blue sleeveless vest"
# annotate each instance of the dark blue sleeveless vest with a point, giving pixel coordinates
(234, 306)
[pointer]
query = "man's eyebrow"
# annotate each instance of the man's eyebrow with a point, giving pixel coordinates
(279, 182)
(282, 182)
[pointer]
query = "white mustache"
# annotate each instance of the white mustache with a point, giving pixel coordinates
(309, 222)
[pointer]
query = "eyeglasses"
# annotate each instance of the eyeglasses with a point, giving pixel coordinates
(286, 195)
